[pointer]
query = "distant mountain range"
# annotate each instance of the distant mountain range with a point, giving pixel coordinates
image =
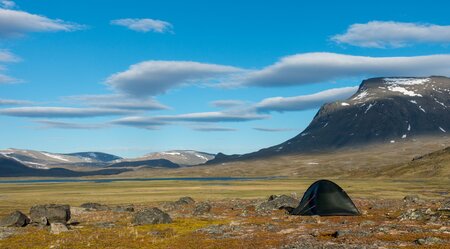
(41, 163)
(382, 110)
(46, 160)
(181, 157)
(10, 167)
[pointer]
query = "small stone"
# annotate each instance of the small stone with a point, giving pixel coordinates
(122, 209)
(15, 219)
(151, 216)
(186, 200)
(409, 199)
(429, 241)
(105, 225)
(202, 208)
(57, 228)
(92, 206)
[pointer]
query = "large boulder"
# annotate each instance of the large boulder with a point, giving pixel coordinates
(151, 216)
(277, 202)
(51, 213)
(92, 206)
(14, 219)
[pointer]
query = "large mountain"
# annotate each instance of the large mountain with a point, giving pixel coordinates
(382, 110)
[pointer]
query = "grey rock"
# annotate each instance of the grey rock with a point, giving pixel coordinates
(123, 209)
(413, 214)
(57, 228)
(151, 216)
(181, 203)
(429, 241)
(51, 213)
(277, 202)
(411, 199)
(202, 208)
(6, 232)
(14, 219)
(105, 225)
(186, 200)
(92, 206)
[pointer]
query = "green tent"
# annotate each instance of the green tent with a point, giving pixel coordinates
(325, 198)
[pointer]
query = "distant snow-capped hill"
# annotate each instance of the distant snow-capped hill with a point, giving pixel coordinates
(45, 160)
(181, 157)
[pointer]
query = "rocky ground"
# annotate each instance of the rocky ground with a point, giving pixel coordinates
(229, 223)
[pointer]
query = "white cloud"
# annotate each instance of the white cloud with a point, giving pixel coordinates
(301, 69)
(4, 102)
(150, 78)
(272, 129)
(17, 23)
(61, 112)
(144, 25)
(304, 102)
(212, 128)
(213, 117)
(48, 124)
(140, 122)
(7, 4)
(6, 56)
(117, 101)
(228, 103)
(379, 34)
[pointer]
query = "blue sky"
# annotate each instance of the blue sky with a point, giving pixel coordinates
(132, 77)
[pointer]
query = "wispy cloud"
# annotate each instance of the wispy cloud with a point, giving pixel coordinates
(48, 124)
(118, 101)
(140, 122)
(308, 68)
(228, 103)
(155, 122)
(381, 34)
(213, 117)
(5, 57)
(213, 129)
(272, 129)
(144, 25)
(7, 4)
(6, 102)
(150, 78)
(61, 112)
(304, 102)
(15, 23)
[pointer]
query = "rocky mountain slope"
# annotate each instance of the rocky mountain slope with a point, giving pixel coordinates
(382, 110)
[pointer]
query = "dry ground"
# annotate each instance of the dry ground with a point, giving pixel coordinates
(233, 221)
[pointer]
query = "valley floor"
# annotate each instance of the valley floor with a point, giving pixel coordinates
(234, 221)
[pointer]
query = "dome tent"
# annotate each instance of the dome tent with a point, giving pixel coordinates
(325, 198)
